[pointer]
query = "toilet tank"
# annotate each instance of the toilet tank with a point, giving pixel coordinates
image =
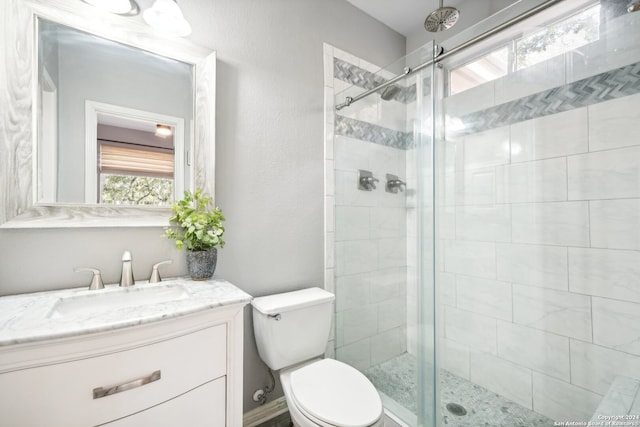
(292, 327)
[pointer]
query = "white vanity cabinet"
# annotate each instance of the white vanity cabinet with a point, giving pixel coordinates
(182, 371)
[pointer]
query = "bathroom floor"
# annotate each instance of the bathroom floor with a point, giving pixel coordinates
(397, 379)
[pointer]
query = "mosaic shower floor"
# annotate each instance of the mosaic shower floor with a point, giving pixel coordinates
(397, 379)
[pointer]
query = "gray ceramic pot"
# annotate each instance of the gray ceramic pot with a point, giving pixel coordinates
(202, 264)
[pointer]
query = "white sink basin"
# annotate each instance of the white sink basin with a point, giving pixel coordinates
(114, 299)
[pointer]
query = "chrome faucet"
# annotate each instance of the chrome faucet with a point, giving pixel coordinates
(126, 277)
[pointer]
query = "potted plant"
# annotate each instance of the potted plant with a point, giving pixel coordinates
(197, 227)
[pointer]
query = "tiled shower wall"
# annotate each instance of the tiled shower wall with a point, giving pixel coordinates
(539, 278)
(366, 230)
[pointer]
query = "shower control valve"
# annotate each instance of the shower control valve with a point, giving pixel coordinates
(394, 184)
(366, 181)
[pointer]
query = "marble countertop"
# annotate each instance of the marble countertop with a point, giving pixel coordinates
(50, 315)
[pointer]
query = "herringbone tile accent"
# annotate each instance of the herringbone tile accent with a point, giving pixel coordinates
(591, 90)
(364, 131)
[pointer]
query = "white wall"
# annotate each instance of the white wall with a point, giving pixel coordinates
(269, 172)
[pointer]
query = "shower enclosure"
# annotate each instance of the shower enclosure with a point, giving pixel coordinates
(483, 221)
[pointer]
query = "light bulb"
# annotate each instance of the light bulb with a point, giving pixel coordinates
(166, 16)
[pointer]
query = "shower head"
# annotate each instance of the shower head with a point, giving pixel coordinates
(633, 6)
(441, 19)
(389, 92)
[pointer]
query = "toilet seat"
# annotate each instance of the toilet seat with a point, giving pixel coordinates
(331, 393)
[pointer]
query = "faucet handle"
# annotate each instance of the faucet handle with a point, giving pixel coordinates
(96, 282)
(155, 274)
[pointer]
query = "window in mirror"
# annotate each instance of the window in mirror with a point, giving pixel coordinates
(135, 167)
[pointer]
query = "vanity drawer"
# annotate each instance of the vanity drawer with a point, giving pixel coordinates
(184, 363)
(202, 407)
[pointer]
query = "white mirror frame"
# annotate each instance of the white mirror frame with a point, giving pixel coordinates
(18, 126)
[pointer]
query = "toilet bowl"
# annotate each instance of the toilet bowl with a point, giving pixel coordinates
(291, 332)
(329, 393)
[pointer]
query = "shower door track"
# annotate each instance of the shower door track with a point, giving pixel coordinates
(408, 70)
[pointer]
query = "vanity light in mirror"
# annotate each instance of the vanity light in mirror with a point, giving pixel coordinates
(166, 17)
(120, 7)
(163, 130)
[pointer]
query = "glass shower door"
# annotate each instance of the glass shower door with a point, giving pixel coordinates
(538, 217)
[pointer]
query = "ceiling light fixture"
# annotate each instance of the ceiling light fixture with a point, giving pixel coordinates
(119, 7)
(163, 130)
(166, 16)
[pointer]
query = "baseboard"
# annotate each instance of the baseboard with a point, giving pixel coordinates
(265, 412)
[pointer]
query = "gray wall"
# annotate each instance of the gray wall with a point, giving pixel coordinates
(269, 177)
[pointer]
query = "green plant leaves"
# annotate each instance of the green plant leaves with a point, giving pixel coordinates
(196, 226)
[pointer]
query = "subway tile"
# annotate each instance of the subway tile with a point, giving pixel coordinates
(388, 345)
(537, 181)
(329, 178)
(606, 174)
(392, 252)
(351, 154)
(484, 296)
(353, 291)
(554, 223)
(527, 81)
(556, 135)
(388, 283)
(359, 323)
(475, 99)
(531, 348)
(471, 258)
(352, 223)
(329, 105)
(616, 324)
(357, 354)
(486, 222)
(594, 367)
(358, 256)
(329, 214)
(615, 223)
(454, 357)
(609, 123)
(347, 192)
(330, 250)
(327, 62)
(619, 398)
(475, 330)
(502, 377)
(392, 313)
(562, 401)
(484, 149)
(388, 222)
(605, 273)
(559, 312)
(534, 265)
(446, 289)
(329, 143)
(475, 187)
(330, 280)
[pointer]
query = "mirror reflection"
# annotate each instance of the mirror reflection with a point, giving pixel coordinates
(114, 122)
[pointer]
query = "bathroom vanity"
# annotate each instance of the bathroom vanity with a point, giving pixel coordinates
(162, 354)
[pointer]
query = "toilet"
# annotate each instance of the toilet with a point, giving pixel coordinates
(291, 331)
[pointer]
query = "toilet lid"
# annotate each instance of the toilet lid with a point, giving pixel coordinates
(336, 393)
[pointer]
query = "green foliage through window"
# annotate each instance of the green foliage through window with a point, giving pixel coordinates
(136, 190)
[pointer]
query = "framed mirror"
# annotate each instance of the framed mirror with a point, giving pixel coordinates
(120, 119)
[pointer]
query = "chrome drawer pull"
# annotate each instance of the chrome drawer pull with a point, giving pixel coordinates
(99, 392)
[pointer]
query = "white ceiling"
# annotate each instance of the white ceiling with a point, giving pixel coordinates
(407, 16)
